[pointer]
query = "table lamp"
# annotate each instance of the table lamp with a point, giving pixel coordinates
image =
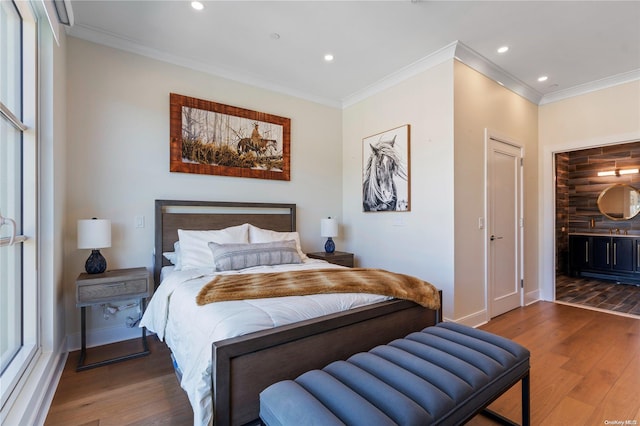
(329, 229)
(94, 234)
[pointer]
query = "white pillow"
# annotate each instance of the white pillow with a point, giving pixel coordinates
(194, 249)
(175, 257)
(259, 235)
(171, 256)
(176, 248)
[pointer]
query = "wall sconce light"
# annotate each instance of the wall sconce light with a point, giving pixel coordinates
(329, 229)
(618, 172)
(94, 234)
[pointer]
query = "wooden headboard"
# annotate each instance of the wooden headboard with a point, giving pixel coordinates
(171, 215)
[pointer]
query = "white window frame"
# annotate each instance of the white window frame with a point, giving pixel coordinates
(13, 378)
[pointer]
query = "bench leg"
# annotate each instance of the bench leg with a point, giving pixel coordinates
(526, 401)
(526, 407)
(498, 417)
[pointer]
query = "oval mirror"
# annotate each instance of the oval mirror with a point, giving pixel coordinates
(619, 202)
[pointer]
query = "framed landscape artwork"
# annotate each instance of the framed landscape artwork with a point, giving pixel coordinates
(212, 138)
(385, 175)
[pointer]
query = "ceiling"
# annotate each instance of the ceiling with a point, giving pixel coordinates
(280, 45)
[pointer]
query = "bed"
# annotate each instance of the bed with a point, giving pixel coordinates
(244, 365)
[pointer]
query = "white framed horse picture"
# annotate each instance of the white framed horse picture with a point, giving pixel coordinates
(385, 171)
(216, 139)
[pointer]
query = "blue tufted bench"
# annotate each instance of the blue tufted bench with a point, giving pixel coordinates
(443, 375)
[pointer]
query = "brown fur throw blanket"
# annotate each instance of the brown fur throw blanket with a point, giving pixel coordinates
(319, 281)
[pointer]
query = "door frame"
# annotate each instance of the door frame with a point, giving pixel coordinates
(488, 135)
(547, 185)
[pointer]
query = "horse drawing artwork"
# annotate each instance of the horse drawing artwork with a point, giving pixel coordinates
(379, 192)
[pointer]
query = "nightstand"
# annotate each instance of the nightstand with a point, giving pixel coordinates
(109, 287)
(337, 257)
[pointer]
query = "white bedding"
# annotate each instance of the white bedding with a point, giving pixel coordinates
(189, 329)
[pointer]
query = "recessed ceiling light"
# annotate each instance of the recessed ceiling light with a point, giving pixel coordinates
(328, 57)
(503, 49)
(543, 78)
(197, 5)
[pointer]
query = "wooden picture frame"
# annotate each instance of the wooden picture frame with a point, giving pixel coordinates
(211, 138)
(386, 183)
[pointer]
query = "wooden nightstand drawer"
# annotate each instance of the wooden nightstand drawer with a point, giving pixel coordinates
(112, 286)
(110, 291)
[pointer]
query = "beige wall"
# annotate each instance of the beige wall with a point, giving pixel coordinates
(419, 242)
(118, 159)
(448, 107)
(480, 103)
(604, 117)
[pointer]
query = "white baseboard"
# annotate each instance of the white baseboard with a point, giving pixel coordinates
(31, 404)
(43, 410)
(482, 317)
(103, 336)
(531, 297)
(473, 320)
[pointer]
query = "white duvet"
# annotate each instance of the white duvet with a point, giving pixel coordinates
(189, 329)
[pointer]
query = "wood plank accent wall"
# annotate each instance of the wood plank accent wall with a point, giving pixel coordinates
(578, 187)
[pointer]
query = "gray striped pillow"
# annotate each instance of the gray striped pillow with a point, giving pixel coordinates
(227, 257)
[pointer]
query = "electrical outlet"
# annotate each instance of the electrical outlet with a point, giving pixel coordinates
(139, 221)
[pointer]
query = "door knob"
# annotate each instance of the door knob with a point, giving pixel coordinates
(493, 237)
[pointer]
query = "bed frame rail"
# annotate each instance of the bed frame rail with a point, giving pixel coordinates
(245, 365)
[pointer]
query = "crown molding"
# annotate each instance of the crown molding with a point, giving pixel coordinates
(593, 86)
(122, 43)
(455, 50)
(473, 59)
(462, 53)
(429, 61)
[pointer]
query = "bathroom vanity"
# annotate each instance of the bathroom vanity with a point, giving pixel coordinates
(614, 257)
(609, 255)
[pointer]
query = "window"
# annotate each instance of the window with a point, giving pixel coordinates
(18, 283)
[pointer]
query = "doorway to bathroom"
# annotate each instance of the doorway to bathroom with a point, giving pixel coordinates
(582, 177)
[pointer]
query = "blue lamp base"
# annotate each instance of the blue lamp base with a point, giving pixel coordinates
(96, 263)
(329, 246)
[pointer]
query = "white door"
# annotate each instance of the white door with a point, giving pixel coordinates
(504, 230)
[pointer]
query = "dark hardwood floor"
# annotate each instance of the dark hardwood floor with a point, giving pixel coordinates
(600, 294)
(584, 371)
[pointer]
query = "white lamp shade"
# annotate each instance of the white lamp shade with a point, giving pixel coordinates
(94, 233)
(329, 227)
